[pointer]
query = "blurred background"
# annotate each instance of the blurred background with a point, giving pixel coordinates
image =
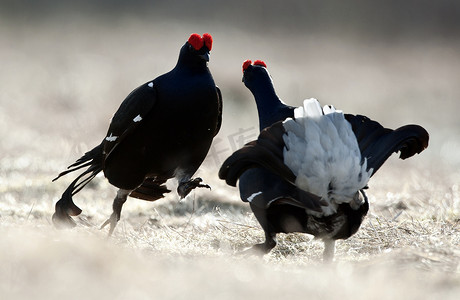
(65, 67)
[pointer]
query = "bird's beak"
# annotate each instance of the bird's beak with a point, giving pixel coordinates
(205, 56)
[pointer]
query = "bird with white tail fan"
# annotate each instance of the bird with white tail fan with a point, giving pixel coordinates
(324, 160)
(323, 153)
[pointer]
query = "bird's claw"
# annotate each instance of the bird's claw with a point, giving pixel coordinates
(185, 188)
(256, 250)
(112, 220)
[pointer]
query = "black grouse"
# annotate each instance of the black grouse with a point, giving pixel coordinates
(327, 158)
(270, 109)
(162, 130)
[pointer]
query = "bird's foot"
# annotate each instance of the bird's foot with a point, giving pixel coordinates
(185, 188)
(256, 250)
(260, 249)
(112, 220)
(118, 202)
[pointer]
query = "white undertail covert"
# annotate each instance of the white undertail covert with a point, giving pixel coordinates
(322, 151)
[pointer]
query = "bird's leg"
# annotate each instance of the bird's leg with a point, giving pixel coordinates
(118, 202)
(329, 249)
(186, 187)
(266, 246)
(262, 248)
(270, 234)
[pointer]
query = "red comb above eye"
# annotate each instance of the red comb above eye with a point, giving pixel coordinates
(207, 40)
(260, 63)
(196, 41)
(246, 64)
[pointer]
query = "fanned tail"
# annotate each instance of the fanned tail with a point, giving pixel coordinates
(377, 143)
(265, 152)
(323, 152)
(65, 207)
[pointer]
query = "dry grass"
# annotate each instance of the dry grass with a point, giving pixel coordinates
(59, 88)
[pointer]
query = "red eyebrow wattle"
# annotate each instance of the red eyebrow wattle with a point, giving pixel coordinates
(260, 63)
(196, 41)
(246, 64)
(207, 40)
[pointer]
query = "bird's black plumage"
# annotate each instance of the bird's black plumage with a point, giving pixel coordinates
(269, 106)
(260, 187)
(163, 129)
(280, 206)
(270, 110)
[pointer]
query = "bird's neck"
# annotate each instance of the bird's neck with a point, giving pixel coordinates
(185, 62)
(269, 106)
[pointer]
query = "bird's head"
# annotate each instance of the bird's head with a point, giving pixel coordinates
(270, 107)
(256, 74)
(197, 48)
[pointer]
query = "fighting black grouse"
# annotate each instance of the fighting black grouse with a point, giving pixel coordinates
(270, 109)
(327, 158)
(162, 130)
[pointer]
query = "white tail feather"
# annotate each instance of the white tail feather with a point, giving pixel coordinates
(322, 151)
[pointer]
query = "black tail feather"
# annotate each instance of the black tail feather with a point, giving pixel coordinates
(65, 207)
(377, 143)
(90, 157)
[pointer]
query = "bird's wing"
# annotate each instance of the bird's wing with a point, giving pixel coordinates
(265, 152)
(151, 189)
(377, 143)
(279, 188)
(263, 189)
(129, 115)
(219, 116)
